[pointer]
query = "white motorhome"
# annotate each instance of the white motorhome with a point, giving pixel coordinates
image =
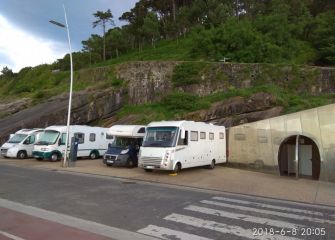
(124, 150)
(173, 145)
(21, 144)
(92, 142)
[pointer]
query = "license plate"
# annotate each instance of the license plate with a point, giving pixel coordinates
(149, 167)
(110, 161)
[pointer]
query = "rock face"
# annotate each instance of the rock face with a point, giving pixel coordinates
(238, 110)
(147, 82)
(87, 106)
(14, 107)
(150, 81)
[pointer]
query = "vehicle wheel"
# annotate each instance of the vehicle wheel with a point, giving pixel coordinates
(148, 170)
(22, 155)
(93, 155)
(130, 163)
(54, 157)
(108, 165)
(39, 159)
(212, 165)
(177, 168)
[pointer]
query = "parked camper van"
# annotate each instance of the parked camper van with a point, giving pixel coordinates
(92, 142)
(21, 144)
(124, 150)
(173, 145)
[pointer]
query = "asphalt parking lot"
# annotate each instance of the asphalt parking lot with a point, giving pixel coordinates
(220, 179)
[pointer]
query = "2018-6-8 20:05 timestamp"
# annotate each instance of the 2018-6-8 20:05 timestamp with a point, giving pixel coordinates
(307, 231)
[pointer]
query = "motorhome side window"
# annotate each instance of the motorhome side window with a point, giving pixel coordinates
(63, 139)
(92, 137)
(183, 141)
(221, 135)
(142, 130)
(194, 136)
(80, 137)
(108, 136)
(30, 140)
(211, 136)
(202, 135)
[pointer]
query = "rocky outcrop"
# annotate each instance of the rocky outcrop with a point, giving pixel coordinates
(238, 110)
(149, 81)
(14, 106)
(87, 106)
(146, 81)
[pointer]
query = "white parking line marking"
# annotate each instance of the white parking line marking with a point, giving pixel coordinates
(286, 215)
(221, 227)
(166, 233)
(242, 217)
(13, 237)
(256, 204)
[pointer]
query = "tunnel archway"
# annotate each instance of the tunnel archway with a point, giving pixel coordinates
(306, 151)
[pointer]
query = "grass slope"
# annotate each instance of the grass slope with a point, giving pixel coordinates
(40, 83)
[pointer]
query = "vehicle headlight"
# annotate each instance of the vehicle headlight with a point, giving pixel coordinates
(168, 155)
(124, 151)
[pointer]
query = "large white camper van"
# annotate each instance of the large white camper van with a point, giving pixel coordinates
(21, 144)
(124, 150)
(173, 145)
(92, 142)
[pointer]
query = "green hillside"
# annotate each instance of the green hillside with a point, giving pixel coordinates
(296, 34)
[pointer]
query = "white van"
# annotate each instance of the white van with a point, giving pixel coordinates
(92, 142)
(173, 145)
(21, 144)
(124, 150)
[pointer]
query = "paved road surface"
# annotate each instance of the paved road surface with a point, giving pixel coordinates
(161, 211)
(14, 224)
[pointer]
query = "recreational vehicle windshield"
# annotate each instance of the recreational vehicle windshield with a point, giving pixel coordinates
(124, 150)
(92, 142)
(160, 137)
(173, 145)
(21, 144)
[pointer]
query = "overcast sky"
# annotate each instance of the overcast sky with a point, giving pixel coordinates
(28, 39)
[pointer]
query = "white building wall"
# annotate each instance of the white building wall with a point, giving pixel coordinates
(257, 144)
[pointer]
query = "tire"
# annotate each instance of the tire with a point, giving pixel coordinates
(109, 165)
(130, 163)
(22, 155)
(177, 168)
(212, 165)
(54, 157)
(148, 170)
(93, 155)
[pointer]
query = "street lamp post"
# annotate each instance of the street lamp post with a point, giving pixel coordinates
(65, 163)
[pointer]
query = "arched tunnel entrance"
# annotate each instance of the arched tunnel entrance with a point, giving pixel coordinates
(307, 154)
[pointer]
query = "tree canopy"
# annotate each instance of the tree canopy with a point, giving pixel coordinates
(269, 31)
(103, 18)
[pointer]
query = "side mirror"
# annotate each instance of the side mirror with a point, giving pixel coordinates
(182, 134)
(59, 141)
